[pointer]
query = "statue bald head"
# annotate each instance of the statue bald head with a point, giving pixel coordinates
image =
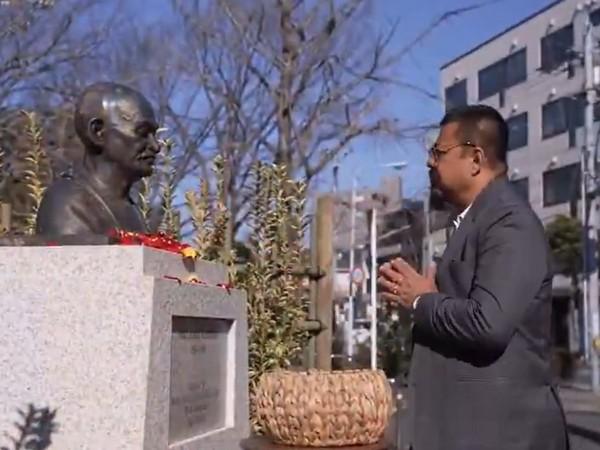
(117, 123)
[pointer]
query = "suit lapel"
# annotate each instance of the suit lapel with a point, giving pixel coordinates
(458, 238)
(456, 243)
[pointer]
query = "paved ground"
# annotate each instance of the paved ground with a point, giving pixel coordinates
(583, 417)
(584, 431)
(582, 409)
(579, 400)
(580, 443)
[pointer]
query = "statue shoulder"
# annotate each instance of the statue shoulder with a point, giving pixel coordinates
(63, 209)
(64, 190)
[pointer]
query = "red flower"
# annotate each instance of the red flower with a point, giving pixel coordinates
(159, 241)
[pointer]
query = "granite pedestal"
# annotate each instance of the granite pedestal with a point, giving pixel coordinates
(128, 358)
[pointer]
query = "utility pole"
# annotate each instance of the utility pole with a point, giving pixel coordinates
(427, 248)
(585, 256)
(590, 216)
(351, 291)
(428, 253)
(324, 286)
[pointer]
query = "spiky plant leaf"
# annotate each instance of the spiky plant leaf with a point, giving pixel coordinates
(36, 172)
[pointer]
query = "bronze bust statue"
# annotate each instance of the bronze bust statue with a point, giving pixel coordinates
(117, 127)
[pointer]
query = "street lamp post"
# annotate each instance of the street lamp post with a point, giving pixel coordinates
(374, 288)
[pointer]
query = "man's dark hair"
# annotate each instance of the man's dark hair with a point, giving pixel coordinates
(483, 126)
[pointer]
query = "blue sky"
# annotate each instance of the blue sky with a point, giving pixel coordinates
(420, 68)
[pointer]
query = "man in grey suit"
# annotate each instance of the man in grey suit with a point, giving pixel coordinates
(480, 376)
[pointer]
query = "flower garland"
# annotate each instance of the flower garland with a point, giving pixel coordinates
(162, 241)
(159, 241)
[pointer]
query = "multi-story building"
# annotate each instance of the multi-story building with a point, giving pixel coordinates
(533, 74)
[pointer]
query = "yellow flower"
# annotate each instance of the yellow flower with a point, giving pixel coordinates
(189, 252)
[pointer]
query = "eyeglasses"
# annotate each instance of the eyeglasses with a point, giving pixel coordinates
(436, 152)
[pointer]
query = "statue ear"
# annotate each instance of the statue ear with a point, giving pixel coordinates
(96, 131)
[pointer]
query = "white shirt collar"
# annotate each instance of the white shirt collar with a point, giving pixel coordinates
(461, 217)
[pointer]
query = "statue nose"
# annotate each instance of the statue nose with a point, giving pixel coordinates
(153, 145)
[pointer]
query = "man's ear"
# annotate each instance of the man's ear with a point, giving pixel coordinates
(478, 161)
(96, 131)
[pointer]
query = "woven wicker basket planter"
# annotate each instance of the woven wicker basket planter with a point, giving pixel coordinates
(324, 409)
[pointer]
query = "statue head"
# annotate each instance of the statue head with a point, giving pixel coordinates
(117, 124)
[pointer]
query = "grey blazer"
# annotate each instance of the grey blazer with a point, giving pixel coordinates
(480, 375)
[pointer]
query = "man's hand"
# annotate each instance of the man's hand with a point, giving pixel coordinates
(402, 284)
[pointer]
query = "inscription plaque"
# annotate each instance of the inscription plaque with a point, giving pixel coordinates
(198, 395)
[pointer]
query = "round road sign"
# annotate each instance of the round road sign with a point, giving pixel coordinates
(357, 275)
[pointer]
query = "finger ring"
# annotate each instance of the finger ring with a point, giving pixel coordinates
(395, 290)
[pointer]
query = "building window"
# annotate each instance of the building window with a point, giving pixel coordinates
(561, 115)
(522, 187)
(561, 185)
(595, 17)
(503, 74)
(456, 95)
(565, 114)
(556, 48)
(517, 131)
(516, 68)
(554, 118)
